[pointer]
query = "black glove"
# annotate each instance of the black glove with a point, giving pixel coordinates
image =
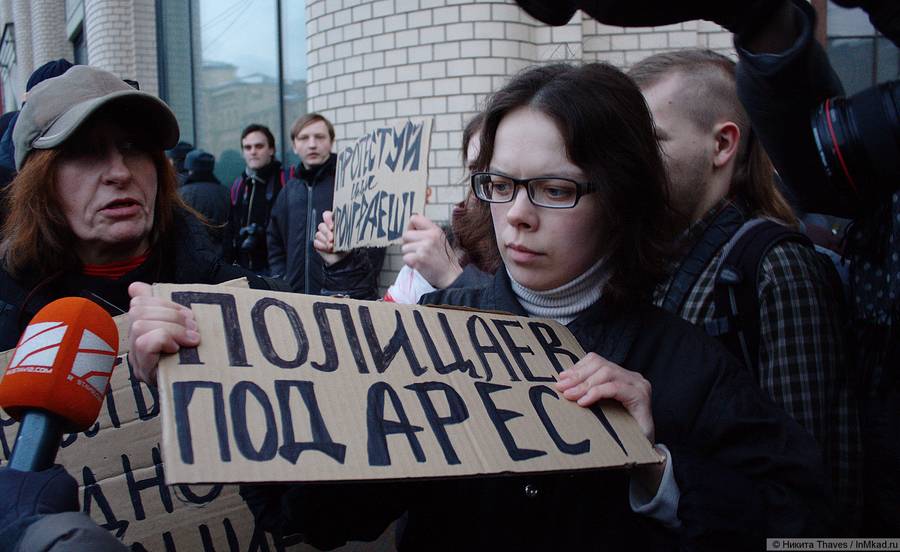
(32, 493)
(737, 16)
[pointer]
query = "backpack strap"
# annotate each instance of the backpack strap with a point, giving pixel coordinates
(717, 234)
(236, 188)
(736, 317)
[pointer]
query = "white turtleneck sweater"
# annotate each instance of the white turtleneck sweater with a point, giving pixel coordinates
(567, 301)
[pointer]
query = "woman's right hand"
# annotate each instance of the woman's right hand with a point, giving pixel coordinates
(425, 249)
(156, 326)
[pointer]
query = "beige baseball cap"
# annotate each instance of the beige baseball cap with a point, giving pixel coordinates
(56, 108)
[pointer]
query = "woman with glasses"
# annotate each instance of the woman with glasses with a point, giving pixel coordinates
(572, 176)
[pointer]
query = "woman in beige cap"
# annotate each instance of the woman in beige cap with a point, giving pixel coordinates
(94, 208)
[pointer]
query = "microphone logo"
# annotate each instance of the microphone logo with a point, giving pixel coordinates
(94, 363)
(39, 347)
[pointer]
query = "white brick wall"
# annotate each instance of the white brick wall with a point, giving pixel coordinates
(21, 12)
(625, 47)
(47, 43)
(121, 38)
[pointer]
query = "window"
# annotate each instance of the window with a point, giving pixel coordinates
(8, 68)
(859, 54)
(79, 48)
(224, 65)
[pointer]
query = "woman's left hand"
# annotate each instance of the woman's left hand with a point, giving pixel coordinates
(594, 378)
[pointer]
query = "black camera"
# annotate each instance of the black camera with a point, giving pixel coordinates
(248, 237)
(858, 139)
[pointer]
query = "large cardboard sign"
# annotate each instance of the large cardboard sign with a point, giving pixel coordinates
(123, 487)
(380, 182)
(289, 387)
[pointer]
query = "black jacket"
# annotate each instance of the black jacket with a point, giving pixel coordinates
(295, 217)
(209, 197)
(186, 258)
(251, 205)
(744, 468)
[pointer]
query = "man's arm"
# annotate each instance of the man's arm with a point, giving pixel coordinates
(783, 74)
(803, 363)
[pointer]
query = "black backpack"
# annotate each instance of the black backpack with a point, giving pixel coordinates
(736, 298)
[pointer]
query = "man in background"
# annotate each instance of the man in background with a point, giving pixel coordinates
(298, 212)
(252, 196)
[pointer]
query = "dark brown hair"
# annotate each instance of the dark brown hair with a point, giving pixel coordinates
(471, 219)
(709, 96)
(36, 238)
(256, 127)
(606, 126)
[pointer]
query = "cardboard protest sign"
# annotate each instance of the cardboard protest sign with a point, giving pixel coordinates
(118, 464)
(290, 387)
(380, 182)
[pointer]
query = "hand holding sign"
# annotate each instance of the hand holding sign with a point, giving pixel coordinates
(324, 240)
(594, 378)
(426, 249)
(380, 182)
(156, 326)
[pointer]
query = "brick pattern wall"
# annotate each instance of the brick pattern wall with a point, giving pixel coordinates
(21, 12)
(47, 42)
(145, 64)
(625, 47)
(109, 28)
(121, 38)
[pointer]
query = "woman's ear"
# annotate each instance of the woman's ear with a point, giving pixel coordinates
(728, 139)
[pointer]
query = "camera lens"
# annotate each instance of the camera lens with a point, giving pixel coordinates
(858, 138)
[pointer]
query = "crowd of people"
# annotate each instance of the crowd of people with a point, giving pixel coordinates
(642, 210)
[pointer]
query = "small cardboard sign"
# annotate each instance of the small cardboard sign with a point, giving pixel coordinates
(380, 182)
(291, 387)
(118, 465)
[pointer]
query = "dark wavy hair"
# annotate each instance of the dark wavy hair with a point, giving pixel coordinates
(608, 132)
(471, 219)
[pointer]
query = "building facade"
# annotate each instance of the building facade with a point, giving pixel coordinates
(362, 63)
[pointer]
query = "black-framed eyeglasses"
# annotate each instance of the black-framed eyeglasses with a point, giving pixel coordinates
(544, 191)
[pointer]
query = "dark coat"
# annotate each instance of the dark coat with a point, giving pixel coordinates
(209, 197)
(251, 205)
(292, 229)
(186, 258)
(744, 468)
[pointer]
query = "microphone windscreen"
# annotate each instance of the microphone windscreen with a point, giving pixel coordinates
(62, 363)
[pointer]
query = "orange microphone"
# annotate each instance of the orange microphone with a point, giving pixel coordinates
(57, 377)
